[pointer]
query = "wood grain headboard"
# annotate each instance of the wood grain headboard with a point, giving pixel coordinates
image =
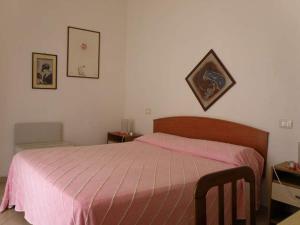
(215, 130)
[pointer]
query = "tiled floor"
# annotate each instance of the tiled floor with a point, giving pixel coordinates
(10, 217)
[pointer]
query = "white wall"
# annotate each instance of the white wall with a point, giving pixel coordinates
(258, 41)
(87, 107)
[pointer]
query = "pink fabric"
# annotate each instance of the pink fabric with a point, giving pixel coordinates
(224, 152)
(118, 184)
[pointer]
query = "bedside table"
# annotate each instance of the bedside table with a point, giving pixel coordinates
(118, 137)
(293, 219)
(285, 197)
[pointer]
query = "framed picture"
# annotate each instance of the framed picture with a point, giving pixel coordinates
(209, 80)
(83, 53)
(44, 71)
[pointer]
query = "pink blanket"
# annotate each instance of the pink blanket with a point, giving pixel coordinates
(117, 184)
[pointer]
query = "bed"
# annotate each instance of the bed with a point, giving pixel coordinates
(149, 181)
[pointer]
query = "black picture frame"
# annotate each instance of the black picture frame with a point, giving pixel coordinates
(70, 68)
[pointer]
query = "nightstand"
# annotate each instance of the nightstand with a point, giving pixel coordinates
(291, 220)
(119, 137)
(285, 197)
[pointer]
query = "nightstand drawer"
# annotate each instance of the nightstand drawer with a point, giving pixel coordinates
(118, 137)
(281, 194)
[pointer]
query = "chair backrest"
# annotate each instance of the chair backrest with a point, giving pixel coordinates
(26, 133)
(219, 179)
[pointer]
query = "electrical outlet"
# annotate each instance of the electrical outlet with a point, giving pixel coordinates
(148, 111)
(287, 124)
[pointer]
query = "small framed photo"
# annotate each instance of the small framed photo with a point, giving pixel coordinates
(83, 57)
(44, 71)
(209, 80)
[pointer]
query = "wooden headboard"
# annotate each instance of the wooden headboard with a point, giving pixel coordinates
(215, 130)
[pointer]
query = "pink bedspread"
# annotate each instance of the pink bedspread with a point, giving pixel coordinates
(117, 184)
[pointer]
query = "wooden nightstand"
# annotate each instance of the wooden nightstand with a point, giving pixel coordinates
(118, 137)
(285, 197)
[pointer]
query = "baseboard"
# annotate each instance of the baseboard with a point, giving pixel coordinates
(3, 179)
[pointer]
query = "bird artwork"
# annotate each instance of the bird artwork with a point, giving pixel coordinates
(209, 80)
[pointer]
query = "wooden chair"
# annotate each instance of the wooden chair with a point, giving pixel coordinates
(219, 179)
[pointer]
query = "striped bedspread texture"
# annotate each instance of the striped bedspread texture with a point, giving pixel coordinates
(134, 183)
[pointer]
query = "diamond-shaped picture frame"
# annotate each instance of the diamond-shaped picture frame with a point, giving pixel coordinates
(209, 80)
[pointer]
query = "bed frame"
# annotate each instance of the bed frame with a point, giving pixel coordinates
(223, 131)
(214, 130)
(219, 179)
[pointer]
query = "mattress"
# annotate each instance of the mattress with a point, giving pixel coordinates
(118, 184)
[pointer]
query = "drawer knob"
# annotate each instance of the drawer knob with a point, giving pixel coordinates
(297, 196)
